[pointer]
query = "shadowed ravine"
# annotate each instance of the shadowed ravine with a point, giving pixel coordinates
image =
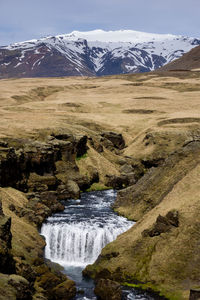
(76, 236)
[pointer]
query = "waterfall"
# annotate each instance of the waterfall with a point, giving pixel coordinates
(78, 243)
(77, 236)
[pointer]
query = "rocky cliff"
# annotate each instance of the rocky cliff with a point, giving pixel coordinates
(34, 176)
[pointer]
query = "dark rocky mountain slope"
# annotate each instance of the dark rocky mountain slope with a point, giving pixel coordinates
(93, 53)
(189, 61)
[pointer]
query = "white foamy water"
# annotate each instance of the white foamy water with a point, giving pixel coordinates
(77, 236)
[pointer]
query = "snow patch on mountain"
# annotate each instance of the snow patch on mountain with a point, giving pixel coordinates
(100, 52)
(130, 36)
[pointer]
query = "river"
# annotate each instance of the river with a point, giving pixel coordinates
(76, 236)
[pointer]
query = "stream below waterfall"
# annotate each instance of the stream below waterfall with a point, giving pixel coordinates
(76, 236)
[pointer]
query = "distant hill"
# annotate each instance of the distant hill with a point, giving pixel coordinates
(189, 61)
(93, 53)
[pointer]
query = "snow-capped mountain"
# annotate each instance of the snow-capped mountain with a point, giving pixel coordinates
(92, 53)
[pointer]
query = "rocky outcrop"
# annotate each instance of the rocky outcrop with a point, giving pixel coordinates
(163, 224)
(117, 182)
(7, 264)
(42, 170)
(117, 140)
(33, 166)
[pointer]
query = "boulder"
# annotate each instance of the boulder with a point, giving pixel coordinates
(22, 287)
(73, 189)
(14, 287)
(65, 290)
(108, 290)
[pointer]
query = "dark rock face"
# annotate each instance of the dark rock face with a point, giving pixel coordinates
(41, 170)
(116, 139)
(1, 210)
(163, 224)
(7, 264)
(81, 147)
(117, 182)
(32, 168)
(108, 290)
(194, 294)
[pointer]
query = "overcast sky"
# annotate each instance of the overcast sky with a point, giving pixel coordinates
(27, 19)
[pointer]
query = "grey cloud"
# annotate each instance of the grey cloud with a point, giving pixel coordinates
(26, 19)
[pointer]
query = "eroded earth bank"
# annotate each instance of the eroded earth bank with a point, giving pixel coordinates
(138, 134)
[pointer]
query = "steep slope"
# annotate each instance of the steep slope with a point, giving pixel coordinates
(92, 53)
(161, 251)
(188, 61)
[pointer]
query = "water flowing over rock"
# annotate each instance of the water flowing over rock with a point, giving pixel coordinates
(76, 236)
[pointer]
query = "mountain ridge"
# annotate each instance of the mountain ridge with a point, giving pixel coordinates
(93, 53)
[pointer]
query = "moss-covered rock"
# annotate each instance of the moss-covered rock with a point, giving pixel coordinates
(107, 289)
(14, 287)
(65, 290)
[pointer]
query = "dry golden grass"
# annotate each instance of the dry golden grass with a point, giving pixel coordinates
(27, 105)
(156, 114)
(166, 105)
(26, 242)
(157, 259)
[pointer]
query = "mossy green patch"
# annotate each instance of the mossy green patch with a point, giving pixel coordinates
(149, 287)
(97, 186)
(81, 157)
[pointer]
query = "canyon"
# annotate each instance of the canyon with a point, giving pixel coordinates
(136, 133)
